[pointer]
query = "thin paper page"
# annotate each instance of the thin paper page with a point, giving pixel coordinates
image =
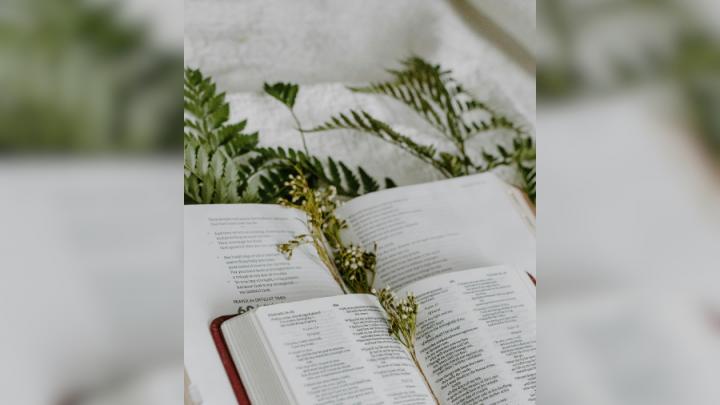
(441, 227)
(231, 266)
(476, 335)
(338, 351)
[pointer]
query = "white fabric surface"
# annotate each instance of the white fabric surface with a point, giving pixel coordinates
(516, 17)
(325, 45)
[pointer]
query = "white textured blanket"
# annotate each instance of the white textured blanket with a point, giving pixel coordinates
(325, 45)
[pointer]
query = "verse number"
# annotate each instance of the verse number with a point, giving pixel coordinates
(244, 309)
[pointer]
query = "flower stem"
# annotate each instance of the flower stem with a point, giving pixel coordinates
(427, 383)
(325, 257)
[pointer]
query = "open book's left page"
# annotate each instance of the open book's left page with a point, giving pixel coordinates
(232, 265)
(337, 350)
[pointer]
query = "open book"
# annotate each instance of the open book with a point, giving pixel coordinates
(475, 342)
(427, 233)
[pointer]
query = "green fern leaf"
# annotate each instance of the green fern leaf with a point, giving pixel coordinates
(225, 165)
(203, 161)
(351, 179)
(365, 123)
(436, 96)
(369, 184)
(212, 144)
(283, 92)
(422, 87)
(529, 181)
(334, 171)
(319, 174)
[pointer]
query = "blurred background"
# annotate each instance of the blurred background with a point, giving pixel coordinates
(89, 76)
(628, 221)
(91, 206)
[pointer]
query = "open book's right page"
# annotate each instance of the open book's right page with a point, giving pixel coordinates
(476, 335)
(441, 227)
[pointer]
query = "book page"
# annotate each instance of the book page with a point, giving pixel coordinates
(231, 266)
(476, 335)
(441, 227)
(338, 351)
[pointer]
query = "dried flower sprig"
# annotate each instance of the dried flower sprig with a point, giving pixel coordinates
(353, 265)
(402, 322)
(288, 247)
(402, 315)
(357, 267)
(319, 206)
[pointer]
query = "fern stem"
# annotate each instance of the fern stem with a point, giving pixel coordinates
(464, 156)
(301, 130)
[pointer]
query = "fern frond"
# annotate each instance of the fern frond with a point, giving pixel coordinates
(432, 92)
(212, 145)
(473, 128)
(364, 122)
(206, 117)
(369, 184)
(319, 173)
(225, 165)
(529, 185)
(389, 183)
(283, 92)
(210, 176)
(521, 152)
(426, 89)
(520, 156)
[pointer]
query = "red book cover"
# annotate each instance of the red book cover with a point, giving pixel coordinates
(227, 360)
